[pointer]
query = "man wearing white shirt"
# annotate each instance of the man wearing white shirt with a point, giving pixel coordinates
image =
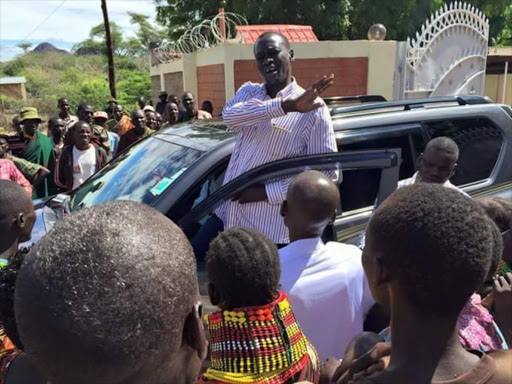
(325, 282)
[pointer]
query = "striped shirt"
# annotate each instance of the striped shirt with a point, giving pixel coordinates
(266, 134)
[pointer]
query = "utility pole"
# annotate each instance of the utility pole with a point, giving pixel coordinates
(110, 53)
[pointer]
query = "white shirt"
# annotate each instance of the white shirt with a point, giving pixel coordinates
(328, 292)
(266, 134)
(84, 165)
(416, 179)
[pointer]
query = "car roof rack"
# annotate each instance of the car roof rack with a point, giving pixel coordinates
(360, 98)
(412, 103)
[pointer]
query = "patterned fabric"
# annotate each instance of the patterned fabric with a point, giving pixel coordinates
(8, 171)
(266, 134)
(201, 115)
(259, 345)
(28, 169)
(503, 268)
(477, 329)
(120, 127)
(8, 352)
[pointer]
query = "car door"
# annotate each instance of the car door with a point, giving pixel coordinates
(385, 160)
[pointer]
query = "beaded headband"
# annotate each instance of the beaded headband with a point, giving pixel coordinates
(256, 344)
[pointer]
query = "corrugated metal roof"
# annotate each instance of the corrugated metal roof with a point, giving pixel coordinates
(294, 33)
(13, 80)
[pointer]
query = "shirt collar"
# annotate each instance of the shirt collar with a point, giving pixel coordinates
(417, 179)
(303, 246)
(286, 91)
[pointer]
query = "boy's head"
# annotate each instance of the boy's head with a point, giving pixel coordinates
(120, 308)
(243, 269)
(500, 211)
(17, 216)
(439, 161)
(310, 204)
(428, 248)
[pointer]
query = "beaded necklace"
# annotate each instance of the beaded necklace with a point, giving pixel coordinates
(261, 344)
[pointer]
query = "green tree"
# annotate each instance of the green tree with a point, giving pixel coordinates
(24, 45)
(147, 34)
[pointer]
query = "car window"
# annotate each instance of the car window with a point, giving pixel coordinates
(479, 142)
(360, 187)
(140, 174)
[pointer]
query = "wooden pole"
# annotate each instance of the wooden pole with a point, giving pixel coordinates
(505, 75)
(110, 53)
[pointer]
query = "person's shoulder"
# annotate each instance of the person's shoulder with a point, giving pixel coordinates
(342, 249)
(503, 366)
(249, 86)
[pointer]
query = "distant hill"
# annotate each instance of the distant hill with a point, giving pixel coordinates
(47, 47)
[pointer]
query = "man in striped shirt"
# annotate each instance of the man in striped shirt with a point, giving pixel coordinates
(275, 120)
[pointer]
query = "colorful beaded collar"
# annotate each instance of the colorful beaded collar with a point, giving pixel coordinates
(256, 344)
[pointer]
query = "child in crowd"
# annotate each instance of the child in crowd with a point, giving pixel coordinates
(110, 295)
(255, 337)
(325, 282)
(427, 251)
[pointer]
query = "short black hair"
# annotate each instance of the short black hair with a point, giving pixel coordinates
(62, 99)
(13, 199)
(435, 243)
(8, 276)
(83, 106)
(268, 34)
(244, 266)
(499, 210)
(106, 293)
(444, 144)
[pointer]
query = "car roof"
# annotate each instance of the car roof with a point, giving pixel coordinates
(202, 135)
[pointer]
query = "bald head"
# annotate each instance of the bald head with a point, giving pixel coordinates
(311, 203)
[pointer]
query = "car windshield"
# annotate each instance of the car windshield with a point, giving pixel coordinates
(140, 174)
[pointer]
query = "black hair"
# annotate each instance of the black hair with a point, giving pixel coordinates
(8, 276)
(434, 242)
(499, 210)
(62, 99)
(52, 121)
(268, 34)
(444, 144)
(244, 267)
(13, 199)
(105, 294)
(208, 102)
(82, 106)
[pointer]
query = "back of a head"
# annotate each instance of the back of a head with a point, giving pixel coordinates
(104, 296)
(499, 210)
(244, 266)
(13, 200)
(436, 242)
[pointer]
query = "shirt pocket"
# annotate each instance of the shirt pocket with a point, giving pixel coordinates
(282, 140)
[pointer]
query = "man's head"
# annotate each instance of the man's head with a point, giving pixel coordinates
(120, 309)
(428, 248)
(100, 118)
(83, 133)
(85, 113)
(174, 99)
(112, 103)
(17, 216)
(189, 103)
(439, 161)
(159, 121)
(150, 119)
(273, 58)
(30, 120)
(64, 106)
(141, 101)
(138, 120)
(243, 269)
(310, 205)
(57, 128)
(172, 111)
(207, 106)
(118, 112)
(163, 96)
(4, 147)
(500, 212)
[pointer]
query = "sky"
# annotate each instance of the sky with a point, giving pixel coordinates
(69, 21)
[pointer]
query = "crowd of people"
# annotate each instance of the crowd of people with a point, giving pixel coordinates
(111, 295)
(72, 148)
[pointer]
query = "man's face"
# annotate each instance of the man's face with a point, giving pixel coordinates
(163, 98)
(436, 166)
(83, 135)
(118, 112)
(30, 126)
(86, 114)
(189, 103)
(273, 59)
(58, 129)
(151, 120)
(4, 147)
(173, 111)
(64, 107)
(139, 120)
(101, 121)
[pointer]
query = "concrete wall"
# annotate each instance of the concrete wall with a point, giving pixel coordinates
(16, 91)
(360, 67)
(494, 88)
(211, 86)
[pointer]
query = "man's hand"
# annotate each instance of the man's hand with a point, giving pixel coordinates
(306, 102)
(252, 194)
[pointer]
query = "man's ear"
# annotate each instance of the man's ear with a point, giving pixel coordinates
(292, 55)
(193, 332)
(20, 220)
(334, 215)
(453, 171)
(284, 208)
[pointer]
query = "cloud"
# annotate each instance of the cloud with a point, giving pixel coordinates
(71, 22)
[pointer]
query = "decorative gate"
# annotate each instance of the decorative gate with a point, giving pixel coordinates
(449, 56)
